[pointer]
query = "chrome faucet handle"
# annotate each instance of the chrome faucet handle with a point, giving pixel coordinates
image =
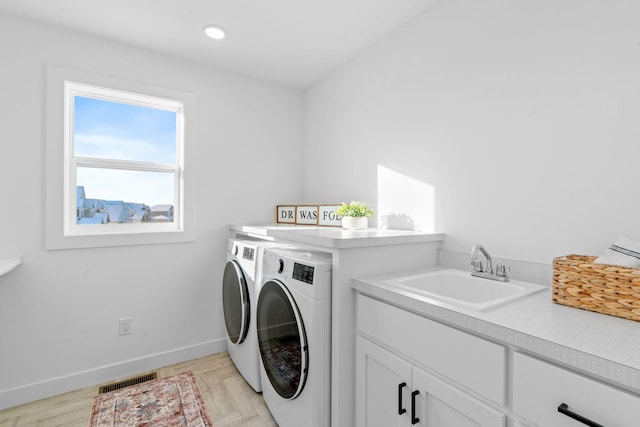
(502, 270)
(477, 265)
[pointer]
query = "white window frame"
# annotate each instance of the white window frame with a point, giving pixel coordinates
(72, 162)
(62, 230)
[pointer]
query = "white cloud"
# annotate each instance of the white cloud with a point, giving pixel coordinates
(114, 147)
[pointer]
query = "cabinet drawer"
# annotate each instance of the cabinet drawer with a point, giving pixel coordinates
(473, 362)
(539, 388)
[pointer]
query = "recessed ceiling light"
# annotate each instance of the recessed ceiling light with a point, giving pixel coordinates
(214, 32)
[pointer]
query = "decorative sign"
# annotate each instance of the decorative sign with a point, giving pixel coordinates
(286, 214)
(324, 215)
(307, 215)
(327, 216)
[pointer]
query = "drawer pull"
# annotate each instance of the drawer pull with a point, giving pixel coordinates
(414, 420)
(564, 409)
(401, 410)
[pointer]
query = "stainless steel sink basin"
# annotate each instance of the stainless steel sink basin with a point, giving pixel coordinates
(459, 288)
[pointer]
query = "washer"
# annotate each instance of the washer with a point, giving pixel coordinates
(294, 336)
(241, 280)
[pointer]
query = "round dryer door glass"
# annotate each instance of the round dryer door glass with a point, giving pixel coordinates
(282, 340)
(235, 300)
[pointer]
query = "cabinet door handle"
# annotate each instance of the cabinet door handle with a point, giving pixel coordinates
(401, 410)
(414, 420)
(564, 409)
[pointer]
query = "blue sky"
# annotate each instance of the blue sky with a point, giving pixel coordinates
(124, 132)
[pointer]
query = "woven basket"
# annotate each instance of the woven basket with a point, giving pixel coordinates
(608, 289)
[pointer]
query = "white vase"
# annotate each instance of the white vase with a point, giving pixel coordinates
(355, 222)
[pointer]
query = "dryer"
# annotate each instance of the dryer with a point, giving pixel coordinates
(294, 336)
(242, 276)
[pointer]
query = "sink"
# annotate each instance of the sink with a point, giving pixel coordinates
(459, 288)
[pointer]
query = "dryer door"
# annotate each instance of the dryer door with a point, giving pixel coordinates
(282, 339)
(235, 300)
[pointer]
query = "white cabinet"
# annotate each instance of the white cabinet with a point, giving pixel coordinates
(406, 362)
(440, 404)
(392, 392)
(547, 395)
(383, 384)
(465, 359)
(413, 371)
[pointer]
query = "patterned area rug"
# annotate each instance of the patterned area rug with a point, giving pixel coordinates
(171, 401)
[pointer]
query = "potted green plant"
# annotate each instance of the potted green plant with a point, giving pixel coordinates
(355, 215)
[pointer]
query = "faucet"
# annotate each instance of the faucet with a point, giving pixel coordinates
(501, 272)
(477, 265)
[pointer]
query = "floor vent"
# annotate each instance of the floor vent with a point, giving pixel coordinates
(126, 383)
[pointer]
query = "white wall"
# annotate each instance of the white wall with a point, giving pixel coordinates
(523, 115)
(59, 311)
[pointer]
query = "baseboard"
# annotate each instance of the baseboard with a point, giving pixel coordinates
(103, 374)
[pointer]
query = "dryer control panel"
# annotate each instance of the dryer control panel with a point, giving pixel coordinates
(248, 253)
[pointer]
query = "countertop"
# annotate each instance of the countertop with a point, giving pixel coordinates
(335, 237)
(9, 264)
(597, 344)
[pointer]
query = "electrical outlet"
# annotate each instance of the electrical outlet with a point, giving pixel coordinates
(126, 326)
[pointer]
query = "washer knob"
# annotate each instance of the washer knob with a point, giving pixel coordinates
(280, 265)
(235, 250)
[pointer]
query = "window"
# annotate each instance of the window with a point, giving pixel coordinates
(124, 164)
(121, 170)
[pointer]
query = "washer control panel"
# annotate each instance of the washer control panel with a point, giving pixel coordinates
(306, 270)
(303, 273)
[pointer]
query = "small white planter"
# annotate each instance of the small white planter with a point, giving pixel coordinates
(355, 222)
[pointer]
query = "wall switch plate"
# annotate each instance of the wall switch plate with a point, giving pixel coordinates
(125, 326)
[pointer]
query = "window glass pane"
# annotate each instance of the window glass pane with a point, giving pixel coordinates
(114, 130)
(126, 196)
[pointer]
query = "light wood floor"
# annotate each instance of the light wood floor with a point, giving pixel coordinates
(229, 399)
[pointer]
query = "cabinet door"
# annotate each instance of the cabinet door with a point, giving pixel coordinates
(439, 404)
(383, 387)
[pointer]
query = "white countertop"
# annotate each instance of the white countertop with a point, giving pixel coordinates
(600, 345)
(8, 264)
(335, 237)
